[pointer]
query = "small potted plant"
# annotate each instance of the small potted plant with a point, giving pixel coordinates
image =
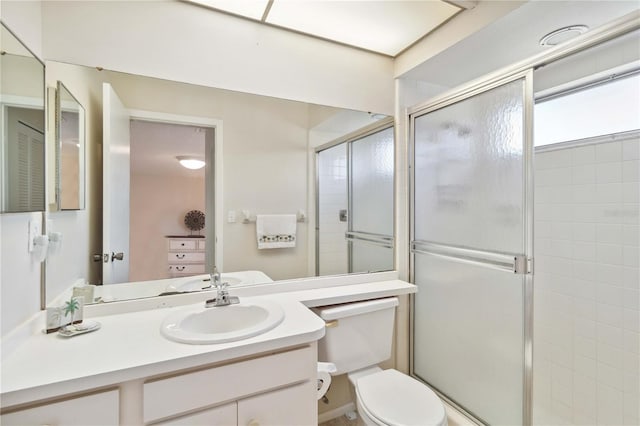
(71, 307)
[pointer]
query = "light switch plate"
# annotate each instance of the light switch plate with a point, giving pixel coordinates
(34, 231)
(231, 216)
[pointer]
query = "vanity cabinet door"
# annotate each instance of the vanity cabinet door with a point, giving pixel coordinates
(225, 415)
(294, 405)
(97, 409)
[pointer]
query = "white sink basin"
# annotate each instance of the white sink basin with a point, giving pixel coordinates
(222, 323)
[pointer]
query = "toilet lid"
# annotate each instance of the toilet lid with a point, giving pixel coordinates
(397, 399)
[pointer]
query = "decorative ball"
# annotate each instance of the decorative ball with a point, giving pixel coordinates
(194, 220)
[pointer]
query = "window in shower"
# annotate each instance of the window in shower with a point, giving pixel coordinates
(608, 105)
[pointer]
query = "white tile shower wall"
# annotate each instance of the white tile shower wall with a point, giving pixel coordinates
(332, 252)
(587, 287)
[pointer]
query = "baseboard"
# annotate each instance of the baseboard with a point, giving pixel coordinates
(336, 412)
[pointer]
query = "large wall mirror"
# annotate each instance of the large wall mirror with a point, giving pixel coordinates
(70, 147)
(258, 157)
(22, 127)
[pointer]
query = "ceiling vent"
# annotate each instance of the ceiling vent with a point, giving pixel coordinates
(563, 34)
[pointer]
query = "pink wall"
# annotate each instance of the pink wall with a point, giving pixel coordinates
(158, 206)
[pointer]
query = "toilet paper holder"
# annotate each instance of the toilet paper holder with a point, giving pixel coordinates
(325, 369)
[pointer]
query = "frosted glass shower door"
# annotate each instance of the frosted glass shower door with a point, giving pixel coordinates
(470, 249)
(370, 233)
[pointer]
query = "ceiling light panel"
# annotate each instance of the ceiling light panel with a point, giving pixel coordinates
(253, 9)
(381, 26)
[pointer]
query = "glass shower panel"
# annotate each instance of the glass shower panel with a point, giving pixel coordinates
(470, 346)
(332, 211)
(372, 183)
(469, 170)
(367, 257)
(371, 202)
(469, 251)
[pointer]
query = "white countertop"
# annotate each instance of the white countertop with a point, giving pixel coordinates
(129, 345)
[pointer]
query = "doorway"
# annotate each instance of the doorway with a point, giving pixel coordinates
(167, 183)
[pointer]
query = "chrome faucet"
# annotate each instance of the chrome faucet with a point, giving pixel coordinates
(222, 297)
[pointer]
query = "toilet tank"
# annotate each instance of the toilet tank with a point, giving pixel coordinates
(358, 334)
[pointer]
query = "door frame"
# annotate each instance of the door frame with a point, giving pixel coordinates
(214, 253)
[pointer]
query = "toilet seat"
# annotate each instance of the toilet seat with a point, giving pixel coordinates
(392, 398)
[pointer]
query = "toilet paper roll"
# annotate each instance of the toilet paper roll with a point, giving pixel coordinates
(324, 380)
(324, 377)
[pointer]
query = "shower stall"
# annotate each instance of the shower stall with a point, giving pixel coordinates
(355, 196)
(524, 239)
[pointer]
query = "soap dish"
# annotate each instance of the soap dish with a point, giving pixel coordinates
(75, 329)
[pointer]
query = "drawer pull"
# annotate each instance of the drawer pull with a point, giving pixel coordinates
(180, 256)
(180, 268)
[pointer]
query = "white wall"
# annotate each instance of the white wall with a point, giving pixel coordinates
(587, 285)
(24, 18)
(179, 41)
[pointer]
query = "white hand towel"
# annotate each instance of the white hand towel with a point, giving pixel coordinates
(276, 230)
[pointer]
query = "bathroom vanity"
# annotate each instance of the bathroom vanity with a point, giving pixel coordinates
(128, 373)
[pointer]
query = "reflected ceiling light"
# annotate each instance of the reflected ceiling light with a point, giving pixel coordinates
(190, 162)
(563, 34)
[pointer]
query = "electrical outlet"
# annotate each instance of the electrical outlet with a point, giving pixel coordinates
(35, 229)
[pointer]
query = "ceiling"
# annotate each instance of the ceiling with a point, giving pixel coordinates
(154, 147)
(514, 38)
(386, 27)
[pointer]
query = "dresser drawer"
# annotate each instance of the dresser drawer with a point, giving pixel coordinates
(184, 257)
(182, 245)
(186, 269)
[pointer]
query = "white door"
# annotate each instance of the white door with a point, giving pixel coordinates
(115, 188)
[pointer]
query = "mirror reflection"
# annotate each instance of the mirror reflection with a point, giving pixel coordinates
(22, 127)
(69, 150)
(257, 185)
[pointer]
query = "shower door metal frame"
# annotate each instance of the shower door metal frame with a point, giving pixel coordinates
(604, 33)
(518, 264)
(376, 239)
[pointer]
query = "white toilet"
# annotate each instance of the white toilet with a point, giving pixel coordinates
(358, 337)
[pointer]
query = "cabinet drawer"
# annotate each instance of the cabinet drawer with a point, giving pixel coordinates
(186, 269)
(294, 405)
(182, 245)
(191, 391)
(224, 415)
(97, 409)
(180, 257)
